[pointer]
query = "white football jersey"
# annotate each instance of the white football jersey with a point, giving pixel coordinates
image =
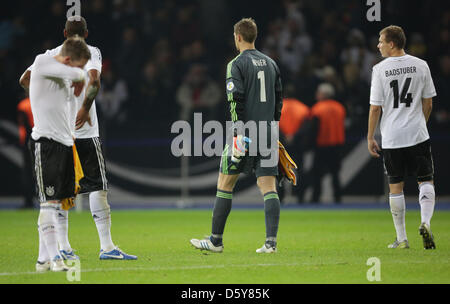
(87, 131)
(52, 98)
(398, 86)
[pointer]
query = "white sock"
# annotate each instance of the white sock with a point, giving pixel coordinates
(48, 229)
(43, 254)
(101, 213)
(427, 201)
(62, 217)
(397, 203)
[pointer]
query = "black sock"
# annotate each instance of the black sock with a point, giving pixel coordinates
(222, 208)
(272, 215)
(271, 243)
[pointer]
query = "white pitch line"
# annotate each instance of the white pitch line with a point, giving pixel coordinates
(156, 268)
(159, 268)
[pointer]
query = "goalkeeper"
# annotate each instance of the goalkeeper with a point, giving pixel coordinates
(253, 87)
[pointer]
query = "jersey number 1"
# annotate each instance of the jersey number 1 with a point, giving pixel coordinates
(262, 91)
(405, 97)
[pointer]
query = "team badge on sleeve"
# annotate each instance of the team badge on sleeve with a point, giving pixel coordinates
(230, 86)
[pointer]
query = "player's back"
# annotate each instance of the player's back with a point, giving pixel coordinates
(257, 77)
(51, 97)
(87, 131)
(399, 84)
(95, 63)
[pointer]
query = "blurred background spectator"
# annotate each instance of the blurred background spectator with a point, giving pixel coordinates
(198, 93)
(328, 116)
(26, 123)
(152, 45)
(294, 120)
(442, 83)
(112, 95)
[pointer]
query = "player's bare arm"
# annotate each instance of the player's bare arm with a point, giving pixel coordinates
(91, 92)
(374, 116)
(24, 80)
(427, 106)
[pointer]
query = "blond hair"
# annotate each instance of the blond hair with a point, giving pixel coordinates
(394, 34)
(247, 28)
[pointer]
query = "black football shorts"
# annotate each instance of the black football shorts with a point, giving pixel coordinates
(53, 169)
(93, 164)
(410, 161)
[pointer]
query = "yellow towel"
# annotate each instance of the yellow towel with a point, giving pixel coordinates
(69, 202)
(286, 164)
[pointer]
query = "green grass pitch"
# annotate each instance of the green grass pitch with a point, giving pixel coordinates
(314, 246)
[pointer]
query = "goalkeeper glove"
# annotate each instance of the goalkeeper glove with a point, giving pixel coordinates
(240, 147)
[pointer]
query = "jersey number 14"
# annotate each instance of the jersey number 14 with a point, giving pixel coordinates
(405, 97)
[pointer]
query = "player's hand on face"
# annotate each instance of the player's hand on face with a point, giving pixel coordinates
(373, 147)
(82, 117)
(78, 86)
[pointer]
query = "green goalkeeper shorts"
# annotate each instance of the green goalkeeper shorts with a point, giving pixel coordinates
(247, 165)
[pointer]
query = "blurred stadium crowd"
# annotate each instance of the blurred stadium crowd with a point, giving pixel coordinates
(165, 59)
(162, 60)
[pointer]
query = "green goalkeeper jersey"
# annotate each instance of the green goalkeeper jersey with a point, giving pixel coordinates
(253, 87)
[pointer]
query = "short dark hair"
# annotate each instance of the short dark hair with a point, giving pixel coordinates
(247, 28)
(395, 34)
(76, 25)
(76, 49)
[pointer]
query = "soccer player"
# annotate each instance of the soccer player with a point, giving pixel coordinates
(85, 127)
(51, 142)
(402, 90)
(253, 87)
